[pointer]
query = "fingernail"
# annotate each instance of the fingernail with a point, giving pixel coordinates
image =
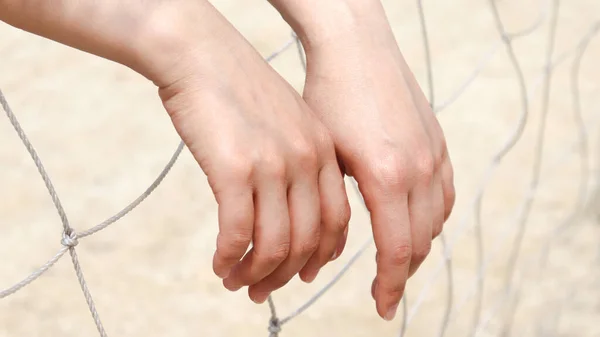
(260, 297)
(391, 312)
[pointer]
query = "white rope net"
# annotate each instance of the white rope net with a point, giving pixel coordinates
(519, 265)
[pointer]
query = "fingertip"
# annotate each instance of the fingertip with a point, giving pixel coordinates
(334, 256)
(387, 298)
(223, 273)
(308, 275)
(391, 312)
(219, 268)
(258, 296)
(233, 282)
(231, 285)
(385, 308)
(380, 309)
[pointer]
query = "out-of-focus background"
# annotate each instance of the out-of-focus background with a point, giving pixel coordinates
(103, 137)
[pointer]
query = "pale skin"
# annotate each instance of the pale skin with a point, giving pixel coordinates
(276, 164)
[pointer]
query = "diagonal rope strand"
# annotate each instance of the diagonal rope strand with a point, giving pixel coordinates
(38, 163)
(139, 199)
(33, 276)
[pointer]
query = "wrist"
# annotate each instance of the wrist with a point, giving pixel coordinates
(184, 38)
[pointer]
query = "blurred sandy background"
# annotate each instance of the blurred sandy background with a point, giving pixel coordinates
(103, 137)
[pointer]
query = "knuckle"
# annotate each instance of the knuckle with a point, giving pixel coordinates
(232, 245)
(399, 255)
(392, 170)
(308, 247)
(274, 255)
(232, 165)
(267, 160)
(424, 166)
(419, 255)
(272, 165)
(306, 155)
(387, 171)
(240, 169)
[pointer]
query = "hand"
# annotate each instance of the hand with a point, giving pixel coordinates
(270, 163)
(388, 139)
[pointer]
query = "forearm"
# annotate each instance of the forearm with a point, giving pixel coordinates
(325, 22)
(144, 35)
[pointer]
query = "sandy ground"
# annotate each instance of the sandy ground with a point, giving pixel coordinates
(103, 137)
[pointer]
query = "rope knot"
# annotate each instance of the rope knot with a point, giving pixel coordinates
(70, 239)
(274, 327)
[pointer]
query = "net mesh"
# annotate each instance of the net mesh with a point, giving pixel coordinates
(503, 267)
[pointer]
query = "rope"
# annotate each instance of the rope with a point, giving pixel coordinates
(511, 294)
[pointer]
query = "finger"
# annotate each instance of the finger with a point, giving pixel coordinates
(449, 193)
(341, 245)
(421, 219)
(438, 209)
(236, 222)
(391, 231)
(335, 210)
(271, 235)
(304, 206)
